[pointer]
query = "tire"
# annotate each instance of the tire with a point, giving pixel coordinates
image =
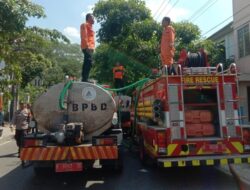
(41, 170)
(114, 165)
(145, 159)
(118, 166)
(142, 154)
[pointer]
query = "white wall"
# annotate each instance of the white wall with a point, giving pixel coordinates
(241, 16)
(241, 12)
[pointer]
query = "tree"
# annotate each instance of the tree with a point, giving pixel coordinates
(216, 52)
(116, 16)
(187, 34)
(13, 16)
(128, 34)
(15, 13)
(67, 56)
(105, 59)
(31, 51)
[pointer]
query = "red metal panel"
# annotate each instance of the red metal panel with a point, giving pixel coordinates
(231, 147)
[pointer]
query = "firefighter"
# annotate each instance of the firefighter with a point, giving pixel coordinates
(167, 44)
(21, 121)
(118, 72)
(87, 45)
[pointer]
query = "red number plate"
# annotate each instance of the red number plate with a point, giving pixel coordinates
(220, 148)
(69, 167)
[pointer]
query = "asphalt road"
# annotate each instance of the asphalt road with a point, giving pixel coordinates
(133, 177)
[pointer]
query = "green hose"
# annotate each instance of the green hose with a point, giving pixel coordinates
(138, 83)
(63, 93)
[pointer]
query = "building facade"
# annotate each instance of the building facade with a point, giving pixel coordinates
(241, 27)
(225, 36)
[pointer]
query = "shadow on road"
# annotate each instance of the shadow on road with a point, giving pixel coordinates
(9, 155)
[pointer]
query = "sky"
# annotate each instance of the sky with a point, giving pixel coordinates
(67, 15)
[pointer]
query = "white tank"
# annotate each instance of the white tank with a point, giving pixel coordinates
(85, 103)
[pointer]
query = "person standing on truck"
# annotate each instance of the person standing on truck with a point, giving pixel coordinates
(167, 44)
(21, 121)
(118, 72)
(87, 45)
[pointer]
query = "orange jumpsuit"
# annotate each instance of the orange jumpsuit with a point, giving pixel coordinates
(118, 72)
(167, 45)
(87, 36)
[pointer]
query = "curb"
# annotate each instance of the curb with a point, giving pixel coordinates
(244, 184)
(225, 169)
(1, 132)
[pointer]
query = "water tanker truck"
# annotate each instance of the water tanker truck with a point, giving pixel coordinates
(77, 126)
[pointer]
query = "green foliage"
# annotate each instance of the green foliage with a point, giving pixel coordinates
(116, 16)
(186, 35)
(31, 52)
(105, 59)
(129, 35)
(15, 13)
(186, 32)
(68, 57)
(32, 91)
(53, 75)
(216, 52)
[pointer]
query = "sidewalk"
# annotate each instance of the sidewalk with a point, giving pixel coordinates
(241, 172)
(7, 134)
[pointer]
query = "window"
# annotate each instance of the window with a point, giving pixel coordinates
(244, 41)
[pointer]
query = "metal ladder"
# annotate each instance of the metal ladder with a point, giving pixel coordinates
(176, 118)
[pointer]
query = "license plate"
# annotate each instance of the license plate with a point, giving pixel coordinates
(69, 167)
(219, 148)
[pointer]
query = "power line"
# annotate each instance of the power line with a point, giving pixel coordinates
(225, 20)
(157, 10)
(199, 10)
(173, 7)
(160, 12)
(204, 10)
(217, 25)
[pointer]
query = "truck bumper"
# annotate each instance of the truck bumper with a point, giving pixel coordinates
(203, 160)
(54, 153)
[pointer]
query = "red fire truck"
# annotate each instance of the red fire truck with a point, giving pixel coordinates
(191, 119)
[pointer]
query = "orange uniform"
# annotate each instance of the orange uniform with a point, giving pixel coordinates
(118, 72)
(167, 45)
(87, 36)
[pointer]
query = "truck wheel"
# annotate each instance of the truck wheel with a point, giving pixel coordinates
(114, 165)
(39, 171)
(119, 162)
(146, 160)
(42, 170)
(142, 154)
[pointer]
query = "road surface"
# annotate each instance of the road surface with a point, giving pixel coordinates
(134, 176)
